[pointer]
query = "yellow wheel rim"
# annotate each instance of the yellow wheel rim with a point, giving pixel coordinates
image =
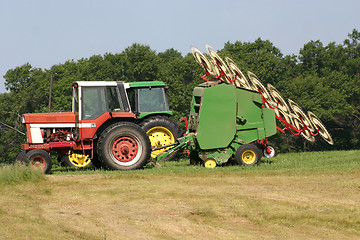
(210, 163)
(248, 157)
(79, 160)
(160, 136)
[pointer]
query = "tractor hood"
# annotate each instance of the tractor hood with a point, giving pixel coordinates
(57, 117)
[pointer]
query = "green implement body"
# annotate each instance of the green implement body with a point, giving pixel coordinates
(222, 119)
(223, 113)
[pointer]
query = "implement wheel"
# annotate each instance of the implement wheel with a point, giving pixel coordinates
(248, 155)
(39, 159)
(273, 150)
(76, 159)
(210, 163)
(124, 146)
(162, 131)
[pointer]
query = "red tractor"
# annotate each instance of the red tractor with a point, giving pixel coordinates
(112, 125)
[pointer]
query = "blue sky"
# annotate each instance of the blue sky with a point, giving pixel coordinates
(49, 32)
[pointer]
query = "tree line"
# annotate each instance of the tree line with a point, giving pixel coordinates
(324, 79)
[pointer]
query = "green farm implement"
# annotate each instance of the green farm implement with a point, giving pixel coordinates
(231, 118)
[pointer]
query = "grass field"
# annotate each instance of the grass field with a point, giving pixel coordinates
(292, 196)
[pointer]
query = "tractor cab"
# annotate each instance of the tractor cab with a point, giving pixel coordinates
(148, 98)
(91, 99)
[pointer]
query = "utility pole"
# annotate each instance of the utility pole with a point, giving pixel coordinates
(51, 83)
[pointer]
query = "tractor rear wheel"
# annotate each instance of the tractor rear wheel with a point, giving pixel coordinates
(248, 155)
(124, 146)
(96, 161)
(162, 131)
(40, 159)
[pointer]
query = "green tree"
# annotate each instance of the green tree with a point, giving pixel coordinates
(181, 74)
(142, 61)
(260, 57)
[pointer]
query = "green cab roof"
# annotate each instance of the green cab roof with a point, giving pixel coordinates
(147, 84)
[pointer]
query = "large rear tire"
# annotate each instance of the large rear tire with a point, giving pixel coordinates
(161, 131)
(124, 146)
(96, 161)
(39, 159)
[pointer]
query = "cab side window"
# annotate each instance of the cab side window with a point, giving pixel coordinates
(113, 99)
(93, 102)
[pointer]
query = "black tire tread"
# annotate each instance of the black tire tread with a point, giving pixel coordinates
(114, 127)
(40, 152)
(273, 146)
(154, 120)
(251, 147)
(21, 157)
(165, 121)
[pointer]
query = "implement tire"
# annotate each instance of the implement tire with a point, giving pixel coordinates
(248, 155)
(273, 150)
(162, 131)
(123, 146)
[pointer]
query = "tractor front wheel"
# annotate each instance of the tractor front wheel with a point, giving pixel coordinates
(248, 155)
(76, 159)
(40, 159)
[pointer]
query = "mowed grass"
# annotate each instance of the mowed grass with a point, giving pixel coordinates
(292, 196)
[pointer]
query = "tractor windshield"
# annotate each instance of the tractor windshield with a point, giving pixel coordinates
(152, 100)
(98, 100)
